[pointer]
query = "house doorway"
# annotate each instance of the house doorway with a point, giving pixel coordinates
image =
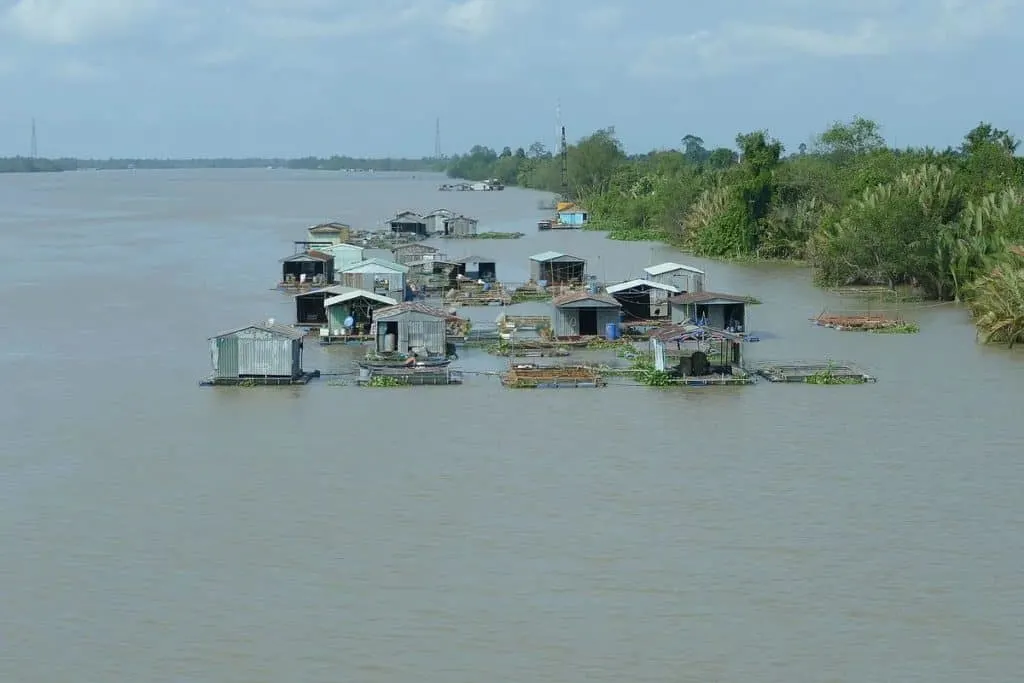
(588, 322)
(388, 336)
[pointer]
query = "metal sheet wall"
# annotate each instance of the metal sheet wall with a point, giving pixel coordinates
(224, 356)
(566, 321)
(368, 281)
(263, 354)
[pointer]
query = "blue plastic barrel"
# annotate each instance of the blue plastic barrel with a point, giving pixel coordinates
(611, 331)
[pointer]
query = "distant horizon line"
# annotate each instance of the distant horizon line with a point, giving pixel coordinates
(222, 158)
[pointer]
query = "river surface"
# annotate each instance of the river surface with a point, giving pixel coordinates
(152, 530)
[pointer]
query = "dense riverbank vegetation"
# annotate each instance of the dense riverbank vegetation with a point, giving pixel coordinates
(859, 211)
(334, 163)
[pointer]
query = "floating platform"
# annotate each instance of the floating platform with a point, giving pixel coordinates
(327, 340)
(384, 364)
(476, 336)
(716, 379)
(857, 322)
(555, 225)
(807, 372)
(530, 323)
(518, 352)
(414, 376)
(552, 377)
(304, 378)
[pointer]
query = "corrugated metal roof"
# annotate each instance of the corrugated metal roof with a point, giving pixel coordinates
(343, 246)
(439, 212)
(630, 284)
(406, 214)
(462, 217)
(364, 266)
(554, 256)
(331, 290)
(266, 326)
(693, 333)
(411, 306)
(332, 227)
(425, 248)
(307, 256)
(473, 258)
(669, 267)
(600, 300)
(356, 293)
(708, 297)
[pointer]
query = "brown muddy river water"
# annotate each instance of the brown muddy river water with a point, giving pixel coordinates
(155, 531)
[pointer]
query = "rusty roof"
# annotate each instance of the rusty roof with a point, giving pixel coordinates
(332, 227)
(690, 332)
(474, 258)
(704, 297)
(311, 255)
(575, 297)
(412, 306)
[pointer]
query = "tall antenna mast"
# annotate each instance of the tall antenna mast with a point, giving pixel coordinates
(437, 138)
(565, 168)
(34, 152)
(558, 122)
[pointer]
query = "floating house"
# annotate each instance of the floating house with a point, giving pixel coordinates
(408, 223)
(307, 267)
(683, 278)
(413, 328)
(556, 268)
(309, 306)
(643, 299)
(344, 254)
(355, 304)
(377, 276)
(723, 311)
(261, 351)
(417, 251)
(570, 213)
(695, 351)
(331, 233)
(460, 226)
(477, 268)
(435, 220)
(582, 314)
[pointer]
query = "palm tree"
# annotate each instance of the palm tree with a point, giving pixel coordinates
(996, 300)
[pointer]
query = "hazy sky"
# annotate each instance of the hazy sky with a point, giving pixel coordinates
(369, 77)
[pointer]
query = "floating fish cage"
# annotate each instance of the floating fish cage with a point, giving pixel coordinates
(411, 376)
(259, 381)
(808, 372)
(530, 323)
(858, 322)
(473, 293)
(540, 377)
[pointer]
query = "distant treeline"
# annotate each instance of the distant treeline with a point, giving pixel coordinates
(947, 222)
(334, 163)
